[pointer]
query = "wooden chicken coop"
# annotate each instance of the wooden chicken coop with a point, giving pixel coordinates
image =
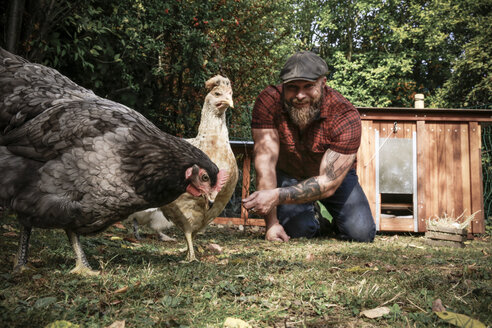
(413, 164)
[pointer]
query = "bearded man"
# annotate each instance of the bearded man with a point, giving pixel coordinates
(306, 136)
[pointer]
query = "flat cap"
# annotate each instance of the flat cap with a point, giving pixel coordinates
(303, 65)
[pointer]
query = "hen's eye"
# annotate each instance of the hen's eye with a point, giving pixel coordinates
(205, 177)
(217, 94)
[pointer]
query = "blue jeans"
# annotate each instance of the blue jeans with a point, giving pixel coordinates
(348, 205)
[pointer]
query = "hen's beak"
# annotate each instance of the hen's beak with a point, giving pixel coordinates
(230, 102)
(211, 197)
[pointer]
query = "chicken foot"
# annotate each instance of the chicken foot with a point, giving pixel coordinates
(20, 261)
(82, 266)
(190, 257)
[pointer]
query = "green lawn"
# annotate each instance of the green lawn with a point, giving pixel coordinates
(303, 283)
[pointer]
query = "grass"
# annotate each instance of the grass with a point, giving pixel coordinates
(303, 283)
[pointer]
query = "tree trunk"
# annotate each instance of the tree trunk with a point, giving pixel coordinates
(14, 24)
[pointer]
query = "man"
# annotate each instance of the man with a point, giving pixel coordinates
(306, 138)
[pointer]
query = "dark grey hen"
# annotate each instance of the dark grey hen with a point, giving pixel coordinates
(72, 160)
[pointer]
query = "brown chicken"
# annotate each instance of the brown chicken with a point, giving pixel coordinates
(194, 214)
(72, 160)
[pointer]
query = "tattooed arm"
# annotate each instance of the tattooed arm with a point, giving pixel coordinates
(333, 169)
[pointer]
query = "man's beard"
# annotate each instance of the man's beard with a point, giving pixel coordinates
(304, 116)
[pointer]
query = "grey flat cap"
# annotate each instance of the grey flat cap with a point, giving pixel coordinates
(303, 65)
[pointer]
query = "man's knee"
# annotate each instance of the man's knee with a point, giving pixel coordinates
(364, 231)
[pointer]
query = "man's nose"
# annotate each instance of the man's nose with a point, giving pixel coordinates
(300, 95)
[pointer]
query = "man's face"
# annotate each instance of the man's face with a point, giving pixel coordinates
(302, 99)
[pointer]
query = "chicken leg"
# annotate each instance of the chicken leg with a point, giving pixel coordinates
(20, 262)
(190, 257)
(82, 266)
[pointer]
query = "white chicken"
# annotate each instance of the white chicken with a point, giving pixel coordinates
(192, 214)
(154, 219)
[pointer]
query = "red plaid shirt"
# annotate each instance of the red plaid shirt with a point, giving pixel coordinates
(338, 128)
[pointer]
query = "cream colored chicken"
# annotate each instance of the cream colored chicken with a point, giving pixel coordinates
(193, 214)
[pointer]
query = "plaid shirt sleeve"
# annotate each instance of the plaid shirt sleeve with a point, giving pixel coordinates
(266, 104)
(346, 129)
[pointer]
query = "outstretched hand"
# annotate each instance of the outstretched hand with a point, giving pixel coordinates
(261, 202)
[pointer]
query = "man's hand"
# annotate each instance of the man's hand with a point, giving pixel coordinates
(261, 202)
(276, 233)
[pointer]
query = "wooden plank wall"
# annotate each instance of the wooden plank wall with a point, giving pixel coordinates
(452, 180)
(448, 164)
(366, 164)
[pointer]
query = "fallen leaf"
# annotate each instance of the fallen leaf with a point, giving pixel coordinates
(235, 323)
(115, 238)
(459, 320)
(121, 290)
(415, 246)
(437, 306)
(129, 247)
(117, 324)
(119, 225)
(376, 312)
(61, 324)
(131, 240)
(10, 234)
(310, 257)
(214, 248)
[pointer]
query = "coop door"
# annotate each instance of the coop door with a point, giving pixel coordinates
(396, 166)
(396, 179)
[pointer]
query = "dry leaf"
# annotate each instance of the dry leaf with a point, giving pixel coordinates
(459, 320)
(10, 234)
(61, 324)
(376, 313)
(415, 246)
(235, 323)
(115, 238)
(214, 248)
(131, 240)
(121, 290)
(310, 257)
(119, 225)
(437, 306)
(117, 324)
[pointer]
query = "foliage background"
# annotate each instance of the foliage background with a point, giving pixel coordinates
(155, 55)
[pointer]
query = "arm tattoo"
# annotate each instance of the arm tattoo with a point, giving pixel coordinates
(334, 168)
(335, 165)
(306, 189)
